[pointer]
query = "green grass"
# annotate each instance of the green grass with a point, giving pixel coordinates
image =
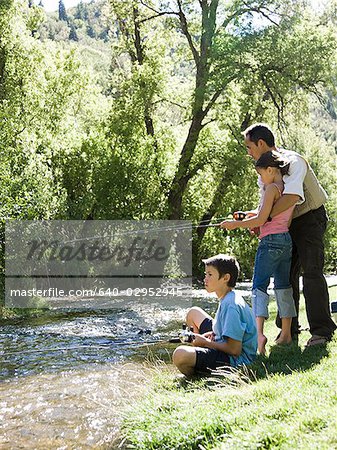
(287, 400)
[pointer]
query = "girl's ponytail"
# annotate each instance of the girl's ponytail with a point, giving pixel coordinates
(274, 159)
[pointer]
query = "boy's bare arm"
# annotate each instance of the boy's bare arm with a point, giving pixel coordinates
(231, 346)
(283, 203)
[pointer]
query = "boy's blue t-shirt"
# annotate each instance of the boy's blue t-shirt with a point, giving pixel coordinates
(234, 319)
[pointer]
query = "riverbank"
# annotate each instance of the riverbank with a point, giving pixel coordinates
(287, 400)
(79, 374)
(244, 287)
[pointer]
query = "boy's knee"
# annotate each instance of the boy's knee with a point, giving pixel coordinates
(182, 356)
(179, 356)
(193, 313)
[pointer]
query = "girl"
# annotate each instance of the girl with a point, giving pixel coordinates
(273, 255)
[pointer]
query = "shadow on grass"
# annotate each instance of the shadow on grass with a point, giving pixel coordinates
(281, 360)
(287, 359)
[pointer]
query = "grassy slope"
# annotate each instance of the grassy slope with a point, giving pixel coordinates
(288, 401)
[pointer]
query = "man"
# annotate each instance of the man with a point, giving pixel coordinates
(301, 188)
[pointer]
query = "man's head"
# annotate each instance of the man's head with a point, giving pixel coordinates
(259, 139)
(221, 268)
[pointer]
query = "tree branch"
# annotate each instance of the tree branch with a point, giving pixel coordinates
(171, 102)
(164, 13)
(214, 98)
(239, 141)
(259, 11)
(274, 100)
(208, 122)
(184, 28)
(216, 95)
(237, 13)
(149, 7)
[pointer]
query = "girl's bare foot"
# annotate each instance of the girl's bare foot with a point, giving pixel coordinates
(283, 340)
(261, 344)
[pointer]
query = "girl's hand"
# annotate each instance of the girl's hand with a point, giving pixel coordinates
(251, 214)
(229, 224)
(254, 231)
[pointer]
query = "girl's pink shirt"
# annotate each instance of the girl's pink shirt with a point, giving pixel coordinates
(279, 223)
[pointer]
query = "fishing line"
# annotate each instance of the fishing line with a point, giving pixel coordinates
(146, 230)
(111, 345)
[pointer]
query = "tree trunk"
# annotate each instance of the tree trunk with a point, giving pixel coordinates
(202, 60)
(140, 59)
(182, 175)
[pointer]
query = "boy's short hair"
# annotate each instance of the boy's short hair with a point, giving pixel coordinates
(260, 131)
(224, 264)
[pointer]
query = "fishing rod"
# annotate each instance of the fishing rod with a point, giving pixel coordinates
(182, 227)
(184, 336)
(112, 345)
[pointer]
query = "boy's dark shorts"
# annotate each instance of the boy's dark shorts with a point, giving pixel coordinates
(208, 358)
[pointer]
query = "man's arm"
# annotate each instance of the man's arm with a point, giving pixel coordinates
(268, 202)
(293, 185)
(283, 203)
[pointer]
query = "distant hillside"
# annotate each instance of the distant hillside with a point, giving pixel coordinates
(84, 22)
(87, 27)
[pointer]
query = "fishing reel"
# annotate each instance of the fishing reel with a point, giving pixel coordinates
(186, 335)
(239, 215)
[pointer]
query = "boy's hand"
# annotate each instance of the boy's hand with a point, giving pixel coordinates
(229, 224)
(201, 341)
(209, 335)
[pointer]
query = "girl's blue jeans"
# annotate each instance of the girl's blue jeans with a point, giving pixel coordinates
(273, 258)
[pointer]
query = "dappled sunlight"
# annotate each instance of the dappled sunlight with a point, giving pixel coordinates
(61, 410)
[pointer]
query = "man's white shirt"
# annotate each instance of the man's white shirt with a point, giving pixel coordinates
(293, 182)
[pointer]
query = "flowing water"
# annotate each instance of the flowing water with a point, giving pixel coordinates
(66, 377)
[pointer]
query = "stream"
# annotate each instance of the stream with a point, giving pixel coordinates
(66, 376)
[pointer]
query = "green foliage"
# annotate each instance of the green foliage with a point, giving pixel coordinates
(90, 129)
(242, 409)
(86, 21)
(48, 104)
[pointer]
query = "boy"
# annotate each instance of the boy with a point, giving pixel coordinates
(228, 340)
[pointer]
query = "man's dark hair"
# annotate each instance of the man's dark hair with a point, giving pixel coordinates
(260, 131)
(274, 159)
(224, 264)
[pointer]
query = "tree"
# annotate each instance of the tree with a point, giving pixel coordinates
(62, 11)
(81, 11)
(220, 55)
(73, 35)
(90, 32)
(242, 70)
